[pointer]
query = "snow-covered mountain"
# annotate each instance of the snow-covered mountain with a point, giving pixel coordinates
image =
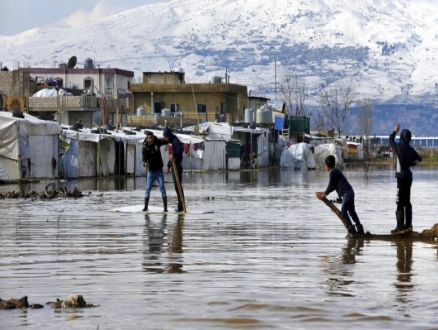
(388, 47)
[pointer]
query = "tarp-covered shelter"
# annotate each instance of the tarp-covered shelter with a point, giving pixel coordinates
(28, 147)
(251, 140)
(298, 156)
(323, 150)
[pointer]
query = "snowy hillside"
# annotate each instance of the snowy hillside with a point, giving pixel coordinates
(388, 47)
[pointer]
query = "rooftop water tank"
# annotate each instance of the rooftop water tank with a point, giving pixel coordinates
(217, 80)
(249, 115)
(141, 111)
(62, 66)
(165, 112)
(264, 115)
(88, 64)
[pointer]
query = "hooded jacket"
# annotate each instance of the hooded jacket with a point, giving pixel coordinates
(152, 154)
(406, 155)
(177, 147)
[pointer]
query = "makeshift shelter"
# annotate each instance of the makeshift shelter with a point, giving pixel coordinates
(28, 147)
(298, 156)
(323, 150)
(86, 154)
(251, 140)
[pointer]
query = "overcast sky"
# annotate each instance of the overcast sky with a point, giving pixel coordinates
(17, 16)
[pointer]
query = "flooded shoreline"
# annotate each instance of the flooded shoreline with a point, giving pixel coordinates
(270, 256)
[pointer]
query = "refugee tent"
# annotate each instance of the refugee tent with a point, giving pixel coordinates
(323, 150)
(28, 147)
(298, 156)
(86, 154)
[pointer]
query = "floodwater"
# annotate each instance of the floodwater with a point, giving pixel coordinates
(271, 256)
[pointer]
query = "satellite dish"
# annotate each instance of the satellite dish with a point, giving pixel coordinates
(72, 62)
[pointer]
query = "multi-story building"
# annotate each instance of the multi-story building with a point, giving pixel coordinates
(95, 95)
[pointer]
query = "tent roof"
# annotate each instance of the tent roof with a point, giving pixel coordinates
(29, 124)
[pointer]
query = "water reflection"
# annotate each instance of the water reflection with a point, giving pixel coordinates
(404, 268)
(156, 237)
(175, 246)
(154, 234)
(352, 249)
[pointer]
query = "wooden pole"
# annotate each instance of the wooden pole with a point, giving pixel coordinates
(332, 207)
(175, 172)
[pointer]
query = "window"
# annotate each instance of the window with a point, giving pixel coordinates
(88, 82)
(174, 107)
(202, 108)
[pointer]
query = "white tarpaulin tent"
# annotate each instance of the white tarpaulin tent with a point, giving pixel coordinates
(323, 150)
(298, 157)
(28, 147)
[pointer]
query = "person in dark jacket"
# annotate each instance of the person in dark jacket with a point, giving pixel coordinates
(154, 162)
(406, 157)
(338, 182)
(176, 156)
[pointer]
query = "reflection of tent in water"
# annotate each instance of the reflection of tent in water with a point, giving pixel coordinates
(28, 147)
(305, 156)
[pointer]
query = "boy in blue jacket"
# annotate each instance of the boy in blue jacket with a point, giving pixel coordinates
(338, 182)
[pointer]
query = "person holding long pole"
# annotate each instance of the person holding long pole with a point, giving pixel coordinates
(175, 162)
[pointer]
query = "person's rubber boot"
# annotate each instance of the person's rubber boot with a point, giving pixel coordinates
(179, 208)
(352, 231)
(146, 202)
(408, 224)
(400, 229)
(360, 231)
(165, 204)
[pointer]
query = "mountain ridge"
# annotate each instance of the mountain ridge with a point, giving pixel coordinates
(386, 47)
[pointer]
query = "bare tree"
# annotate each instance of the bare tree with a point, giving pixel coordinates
(318, 123)
(293, 91)
(335, 100)
(364, 120)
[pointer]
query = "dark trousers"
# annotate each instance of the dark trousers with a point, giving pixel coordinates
(348, 209)
(179, 170)
(404, 198)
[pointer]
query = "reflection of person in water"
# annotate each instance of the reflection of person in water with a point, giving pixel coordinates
(175, 246)
(404, 266)
(352, 249)
(154, 237)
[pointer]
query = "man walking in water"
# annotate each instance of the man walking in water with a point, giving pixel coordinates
(176, 156)
(154, 162)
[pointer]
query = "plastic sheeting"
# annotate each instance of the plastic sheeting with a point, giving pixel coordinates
(28, 147)
(298, 157)
(323, 150)
(51, 92)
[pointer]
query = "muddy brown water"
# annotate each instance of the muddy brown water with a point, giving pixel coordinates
(271, 256)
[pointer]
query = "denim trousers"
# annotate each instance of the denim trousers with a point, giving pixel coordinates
(151, 178)
(348, 209)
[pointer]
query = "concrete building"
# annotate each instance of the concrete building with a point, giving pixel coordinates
(169, 91)
(95, 93)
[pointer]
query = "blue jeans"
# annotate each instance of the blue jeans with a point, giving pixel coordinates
(348, 209)
(151, 178)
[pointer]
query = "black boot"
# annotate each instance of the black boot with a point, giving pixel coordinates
(146, 202)
(408, 224)
(165, 204)
(400, 216)
(360, 231)
(179, 208)
(352, 231)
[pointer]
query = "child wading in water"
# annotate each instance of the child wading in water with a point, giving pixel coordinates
(345, 191)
